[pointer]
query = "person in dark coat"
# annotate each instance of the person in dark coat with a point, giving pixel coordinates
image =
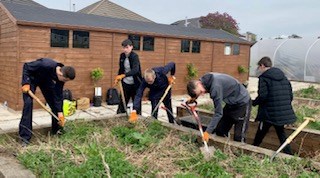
(224, 88)
(50, 76)
(274, 101)
(129, 74)
(157, 81)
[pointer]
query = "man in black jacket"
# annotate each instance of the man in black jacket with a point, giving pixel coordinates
(50, 76)
(157, 81)
(274, 100)
(129, 74)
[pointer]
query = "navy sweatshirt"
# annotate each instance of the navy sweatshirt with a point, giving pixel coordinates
(159, 86)
(42, 72)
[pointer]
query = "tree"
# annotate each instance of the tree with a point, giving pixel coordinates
(220, 21)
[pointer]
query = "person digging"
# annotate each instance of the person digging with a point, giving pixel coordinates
(224, 88)
(50, 76)
(160, 91)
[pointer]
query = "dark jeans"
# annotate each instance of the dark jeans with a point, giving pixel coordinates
(25, 126)
(237, 115)
(129, 92)
(167, 103)
(263, 130)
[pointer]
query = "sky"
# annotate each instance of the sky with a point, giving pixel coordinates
(265, 18)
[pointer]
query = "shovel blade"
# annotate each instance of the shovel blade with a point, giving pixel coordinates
(208, 152)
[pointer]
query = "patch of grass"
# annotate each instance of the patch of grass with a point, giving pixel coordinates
(305, 111)
(250, 166)
(55, 163)
(310, 92)
(140, 139)
(197, 165)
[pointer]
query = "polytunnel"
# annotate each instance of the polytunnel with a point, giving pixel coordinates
(299, 59)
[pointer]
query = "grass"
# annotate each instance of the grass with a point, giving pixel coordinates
(119, 149)
(310, 92)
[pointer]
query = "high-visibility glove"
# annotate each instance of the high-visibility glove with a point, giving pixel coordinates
(133, 117)
(171, 80)
(25, 88)
(205, 136)
(62, 120)
(119, 78)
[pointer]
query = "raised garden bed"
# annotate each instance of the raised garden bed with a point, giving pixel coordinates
(115, 148)
(306, 144)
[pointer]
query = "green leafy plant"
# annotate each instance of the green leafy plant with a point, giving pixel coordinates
(192, 71)
(96, 74)
(242, 69)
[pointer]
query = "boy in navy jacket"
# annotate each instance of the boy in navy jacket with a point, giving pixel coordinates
(50, 76)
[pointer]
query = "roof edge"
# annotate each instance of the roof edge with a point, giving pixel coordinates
(11, 17)
(52, 25)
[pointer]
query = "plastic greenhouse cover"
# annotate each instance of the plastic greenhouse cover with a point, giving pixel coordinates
(297, 58)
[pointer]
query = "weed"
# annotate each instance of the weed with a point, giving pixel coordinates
(310, 92)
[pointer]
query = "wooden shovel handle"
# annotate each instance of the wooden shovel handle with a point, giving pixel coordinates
(42, 105)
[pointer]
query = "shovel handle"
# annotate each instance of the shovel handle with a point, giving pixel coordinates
(42, 105)
(197, 118)
(123, 98)
(161, 99)
(292, 136)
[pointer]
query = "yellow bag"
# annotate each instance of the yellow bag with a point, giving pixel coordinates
(69, 107)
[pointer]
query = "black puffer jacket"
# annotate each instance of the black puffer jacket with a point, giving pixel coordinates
(274, 98)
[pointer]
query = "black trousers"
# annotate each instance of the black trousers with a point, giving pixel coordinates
(129, 92)
(237, 115)
(263, 130)
(25, 126)
(167, 103)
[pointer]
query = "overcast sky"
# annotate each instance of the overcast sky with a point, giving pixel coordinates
(266, 18)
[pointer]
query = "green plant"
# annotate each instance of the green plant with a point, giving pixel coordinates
(192, 71)
(242, 69)
(96, 74)
(310, 92)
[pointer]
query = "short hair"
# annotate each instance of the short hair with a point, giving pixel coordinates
(266, 61)
(149, 71)
(191, 86)
(126, 43)
(68, 72)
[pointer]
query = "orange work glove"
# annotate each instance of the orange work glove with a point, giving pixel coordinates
(25, 88)
(171, 80)
(119, 78)
(62, 120)
(133, 117)
(205, 136)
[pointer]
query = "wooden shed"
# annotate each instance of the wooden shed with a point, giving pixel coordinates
(88, 41)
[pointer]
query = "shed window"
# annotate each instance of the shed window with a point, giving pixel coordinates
(136, 41)
(227, 49)
(80, 39)
(185, 46)
(196, 46)
(59, 38)
(235, 49)
(148, 43)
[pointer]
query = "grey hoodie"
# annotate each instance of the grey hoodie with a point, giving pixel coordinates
(223, 87)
